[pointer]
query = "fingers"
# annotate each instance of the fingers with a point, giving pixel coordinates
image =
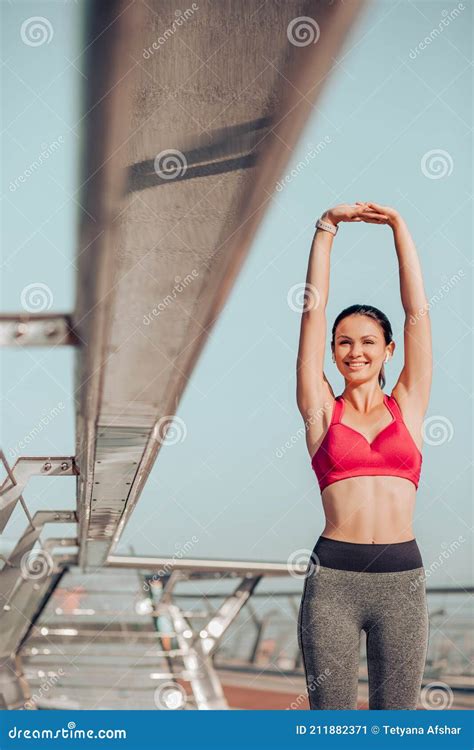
(376, 206)
(373, 215)
(367, 209)
(371, 205)
(370, 220)
(370, 213)
(375, 218)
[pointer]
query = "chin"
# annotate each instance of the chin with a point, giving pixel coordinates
(364, 375)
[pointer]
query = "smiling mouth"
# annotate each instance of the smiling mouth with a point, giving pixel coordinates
(356, 365)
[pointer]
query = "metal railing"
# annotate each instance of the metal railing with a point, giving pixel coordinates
(142, 643)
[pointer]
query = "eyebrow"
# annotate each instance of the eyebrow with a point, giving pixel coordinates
(365, 336)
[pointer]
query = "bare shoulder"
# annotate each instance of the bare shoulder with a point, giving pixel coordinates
(317, 416)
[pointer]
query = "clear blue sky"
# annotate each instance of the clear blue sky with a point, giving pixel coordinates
(390, 103)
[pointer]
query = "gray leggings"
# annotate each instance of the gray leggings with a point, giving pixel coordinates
(391, 608)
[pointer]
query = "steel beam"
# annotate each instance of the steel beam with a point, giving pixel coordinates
(204, 567)
(160, 247)
(19, 475)
(36, 329)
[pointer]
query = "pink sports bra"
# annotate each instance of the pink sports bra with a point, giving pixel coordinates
(345, 452)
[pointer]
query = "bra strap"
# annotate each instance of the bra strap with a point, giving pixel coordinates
(337, 410)
(395, 408)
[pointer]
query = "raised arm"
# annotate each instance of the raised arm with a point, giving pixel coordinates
(312, 386)
(314, 392)
(414, 383)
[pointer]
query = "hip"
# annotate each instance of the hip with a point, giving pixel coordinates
(367, 558)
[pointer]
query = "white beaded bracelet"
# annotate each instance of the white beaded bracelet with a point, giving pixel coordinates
(320, 224)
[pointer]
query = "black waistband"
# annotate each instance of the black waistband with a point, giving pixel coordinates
(369, 558)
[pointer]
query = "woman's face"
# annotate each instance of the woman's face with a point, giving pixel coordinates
(360, 349)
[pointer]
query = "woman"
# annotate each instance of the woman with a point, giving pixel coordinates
(366, 571)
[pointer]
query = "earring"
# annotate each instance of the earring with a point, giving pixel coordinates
(386, 359)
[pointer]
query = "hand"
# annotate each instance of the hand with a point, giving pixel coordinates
(386, 214)
(353, 212)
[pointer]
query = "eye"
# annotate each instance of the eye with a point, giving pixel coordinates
(369, 342)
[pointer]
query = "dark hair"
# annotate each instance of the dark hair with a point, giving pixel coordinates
(375, 314)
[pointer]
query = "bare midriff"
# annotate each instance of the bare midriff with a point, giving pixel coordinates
(369, 510)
